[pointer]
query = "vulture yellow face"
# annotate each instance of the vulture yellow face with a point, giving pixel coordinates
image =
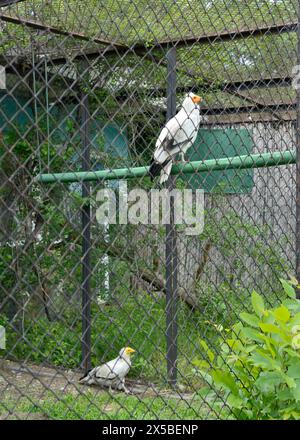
(196, 99)
(129, 350)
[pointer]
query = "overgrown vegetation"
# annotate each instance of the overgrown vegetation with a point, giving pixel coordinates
(254, 372)
(59, 342)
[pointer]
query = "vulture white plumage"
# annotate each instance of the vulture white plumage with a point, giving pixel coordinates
(112, 374)
(177, 136)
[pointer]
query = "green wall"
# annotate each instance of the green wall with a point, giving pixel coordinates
(217, 143)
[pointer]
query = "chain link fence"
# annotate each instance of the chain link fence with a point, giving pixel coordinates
(86, 88)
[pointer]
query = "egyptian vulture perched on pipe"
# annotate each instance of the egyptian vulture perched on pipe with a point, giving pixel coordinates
(112, 374)
(177, 136)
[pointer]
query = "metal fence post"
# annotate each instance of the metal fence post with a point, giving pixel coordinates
(171, 247)
(86, 237)
(298, 165)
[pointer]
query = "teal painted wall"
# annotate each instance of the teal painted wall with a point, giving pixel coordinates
(16, 112)
(210, 144)
(217, 143)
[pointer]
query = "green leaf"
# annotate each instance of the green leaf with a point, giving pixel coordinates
(252, 334)
(295, 320)
(250, 319)
(294, 370)
(225, 348)
(234, 344)
(290, 381)
(284, 394)
(291, 414)
(267, 381)
(289, 290)
(206, 376)
(257, 303)
(291, 352)
(209, 353)
(206, 392)
(235, 401)
(271, 328)
(224, 379)
(260, 359)
(237, 329)
(296, 391)
(201, 364)
(281, 314)
(250, 348)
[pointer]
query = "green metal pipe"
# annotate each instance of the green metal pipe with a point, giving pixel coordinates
(237, 162)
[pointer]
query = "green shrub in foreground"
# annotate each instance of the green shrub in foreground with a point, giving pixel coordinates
(256, 374)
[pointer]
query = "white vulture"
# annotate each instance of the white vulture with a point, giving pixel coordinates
(177, 136)
(112, 374)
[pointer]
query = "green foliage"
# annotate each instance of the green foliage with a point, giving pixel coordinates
(59, 343)
(6, 275)
(256, 373)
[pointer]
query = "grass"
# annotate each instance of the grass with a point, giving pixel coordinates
(138, 322)
(106, 407)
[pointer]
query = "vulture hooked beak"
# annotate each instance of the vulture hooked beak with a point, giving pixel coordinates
(129, 350)
(196, 99)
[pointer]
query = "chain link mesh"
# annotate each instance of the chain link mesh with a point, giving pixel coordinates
(84, 88)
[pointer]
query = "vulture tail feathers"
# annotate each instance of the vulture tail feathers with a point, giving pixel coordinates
(85, 377)
(156, 168)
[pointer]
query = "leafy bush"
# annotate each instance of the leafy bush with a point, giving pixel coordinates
(256, 374)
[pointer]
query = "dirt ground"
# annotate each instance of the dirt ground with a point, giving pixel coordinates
(34, 382)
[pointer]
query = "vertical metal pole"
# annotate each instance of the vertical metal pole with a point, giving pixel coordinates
(171, 248)
(298, 165)
(86, 238)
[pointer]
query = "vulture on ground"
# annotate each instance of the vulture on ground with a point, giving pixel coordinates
(112, 374)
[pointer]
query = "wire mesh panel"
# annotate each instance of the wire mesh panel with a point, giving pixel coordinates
(188, 285)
